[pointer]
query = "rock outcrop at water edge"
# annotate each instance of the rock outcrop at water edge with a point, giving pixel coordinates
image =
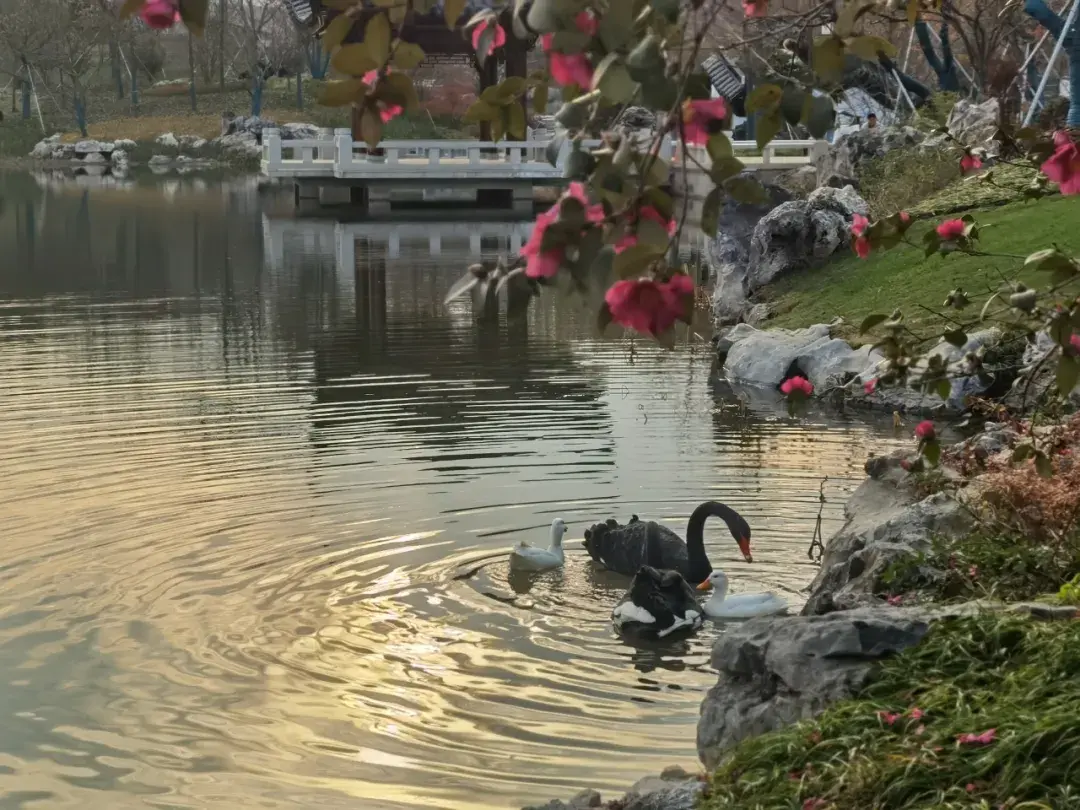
(787, 236)
(674, 789)
(842, 164)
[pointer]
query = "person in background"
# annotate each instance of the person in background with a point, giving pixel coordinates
(871, 121)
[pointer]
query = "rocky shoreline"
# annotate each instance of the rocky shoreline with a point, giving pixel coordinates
(775, 672)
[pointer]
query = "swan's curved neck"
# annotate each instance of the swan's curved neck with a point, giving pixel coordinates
(695, 532)
(556, 538)
(719, 593)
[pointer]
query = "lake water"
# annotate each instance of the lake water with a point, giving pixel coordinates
(256, 509)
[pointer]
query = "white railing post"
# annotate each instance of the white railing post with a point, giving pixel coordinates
(515, 154)
(392, 155)
(667, 149)
(326, 152)
(474, 155)
(767, 154)
(434, 153)
(343, 155)
(272, 148)
(564, 155)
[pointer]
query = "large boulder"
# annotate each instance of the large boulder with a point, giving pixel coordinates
(842, 163)
(168, 140)
(777, 671)
(245, 125)
(1037, 379)
(767, 357)
(299, 132)
(43, 149)
(239, 144)
(801, 234)
(84, 149)
(674, 789)
(728, 254)
(885, 520)
(974, 124)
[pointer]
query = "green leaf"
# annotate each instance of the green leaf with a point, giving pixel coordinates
(193, 13)
(570, 42)
(767, 127)
(957, 338)
(932, 452)
(130, 8)
(407, 56)
(399, 89)
(510, 88)
(710, 211)
(849, 15)
(603, 318)
(868, 47)
(617, 25)
(554, 147)
(481, 111)
(829, 58)
(763, 97)
(943, 388)
(340, 93)
(370, 127)
(725, 168)
(1042, 465)
(646, 59)
(658, 92)
(1068, 374)
(452, 11)
(791, 104)
(515, 124)
(719, 147)
(377, 39)
(540, 98)
(485, 44)
(870, 321)
(659, 172)
(746, 190)
(635, 260)
(1023, 452)
(1054, 261)
(336, 32)
(819, 115)
(613, 80)
(352, 60)
(668, 9)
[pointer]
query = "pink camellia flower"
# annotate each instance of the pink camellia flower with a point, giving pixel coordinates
(797, 384)
(649, 307)
(888, 718)
(973, 572)
(702, 117)
(629, 239)
(755, 8)
(1074, 342)
(951, 229)
(970, 163)
(870, 386)
(970, 787)
(545, 264)
(925, 430)
(814, 804)
(1063, 167)
(985, 738)
(916, 713)
(497, 41)
(897, 600)
(571, 68)
(387, 112)
(905, 217)
(160, 14)
(860, 243)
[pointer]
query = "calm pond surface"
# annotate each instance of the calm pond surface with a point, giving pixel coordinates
(256, 510)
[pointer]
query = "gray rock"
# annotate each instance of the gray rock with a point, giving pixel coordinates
(241, 125)
(777, 671)
(126, 144)
(674, 789)
(160, 160)
(242, 144)
(728, 255)
(801, 234)
(43, 149)
(758, 314)
(884, 522)
(84, 148)
(168, 140)
(841, 165)
(94, 157)
(974, 124)
(637, 118)
(1037, 380)
(299, 132)
(800, 182)
(118, 156)
(63, 151)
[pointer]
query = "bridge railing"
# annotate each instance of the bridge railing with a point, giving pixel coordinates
(338, 155)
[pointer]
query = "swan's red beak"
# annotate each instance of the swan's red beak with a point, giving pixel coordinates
(744, 547)
(704, 586)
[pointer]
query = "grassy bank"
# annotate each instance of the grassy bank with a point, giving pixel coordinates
(985, 713)
(902, 277)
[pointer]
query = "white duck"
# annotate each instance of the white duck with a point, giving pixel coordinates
(740, 606)
(526, 557)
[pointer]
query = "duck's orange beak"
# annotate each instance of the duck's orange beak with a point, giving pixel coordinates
(744, 547)
(704, 586)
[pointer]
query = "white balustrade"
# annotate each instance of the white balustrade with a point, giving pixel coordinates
(338, 156)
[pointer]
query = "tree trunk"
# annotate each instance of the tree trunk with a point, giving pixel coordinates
(221, 43)
(257, 93)
(1055, 24)
(117, 68)
(191, 71)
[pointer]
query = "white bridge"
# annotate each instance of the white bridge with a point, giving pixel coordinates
(329, 167)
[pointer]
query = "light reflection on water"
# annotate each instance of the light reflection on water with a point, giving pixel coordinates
(244, 489)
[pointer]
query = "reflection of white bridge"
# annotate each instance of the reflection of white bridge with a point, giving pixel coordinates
(338, 239)
(331, 168)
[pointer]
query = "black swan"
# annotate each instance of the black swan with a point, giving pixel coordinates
(658, 604)
(626, 548)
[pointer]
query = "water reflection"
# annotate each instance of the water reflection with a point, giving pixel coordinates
(258, 498)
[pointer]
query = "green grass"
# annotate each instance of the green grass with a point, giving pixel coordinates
(902, 277)
(1016, 676)
(1006, 185)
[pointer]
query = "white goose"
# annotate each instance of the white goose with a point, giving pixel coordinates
(740, 606)
(526, 557)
